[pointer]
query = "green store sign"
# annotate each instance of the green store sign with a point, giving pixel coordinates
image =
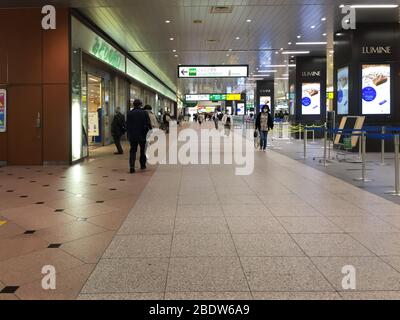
(105, 52)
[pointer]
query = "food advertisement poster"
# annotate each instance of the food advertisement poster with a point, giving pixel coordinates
(265, 101)
(3, 110)
(311, 99)
(376, 93)
(93, 121)
(343, 91)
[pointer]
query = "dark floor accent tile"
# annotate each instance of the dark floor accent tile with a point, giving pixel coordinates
(63, 177)
(40, 202)
(100, 201)
(46, 185)
(61, 189)
(20, 178)
(9, 174)
(93, 184)
(9, 289)
(59, 210)
(10, 190)
(50, 174)
(105, 176)
(23, 196)
(32, 181)
(113, 189)
(54, 245)
(29, 231)
(122, 179)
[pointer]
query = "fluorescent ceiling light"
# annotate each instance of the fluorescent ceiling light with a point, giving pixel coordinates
(265, 71)
(295, 52)
(311, 43)
(167, 21)
(372, 6)
(281, 78)
(292, 66)
(274, 65)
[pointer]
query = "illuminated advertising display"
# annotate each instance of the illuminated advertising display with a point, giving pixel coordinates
(343, 91)
(376, 89)
(311, 99)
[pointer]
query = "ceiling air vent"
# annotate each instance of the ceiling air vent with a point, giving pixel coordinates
(221, 9)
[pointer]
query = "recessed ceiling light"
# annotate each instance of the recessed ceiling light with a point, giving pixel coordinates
(230, 49)
(174, 50)
(248, 20)
(276, 52)
(323, 19)
(295, 52)
(172, 39)
(311, 43)
(312, 27)
(289, 43)
(167, 21)
(298, 37)
(237, 38)
(372, 6)
(227, 54)
(176, 56)
(324, 34)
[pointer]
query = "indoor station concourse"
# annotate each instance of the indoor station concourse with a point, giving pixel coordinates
(267, 163)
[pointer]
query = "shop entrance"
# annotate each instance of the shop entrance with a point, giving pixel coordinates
(95, 96)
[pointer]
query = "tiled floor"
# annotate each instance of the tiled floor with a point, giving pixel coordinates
(80, 210)
(197, 232)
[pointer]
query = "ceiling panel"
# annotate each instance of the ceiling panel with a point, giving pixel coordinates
(139, 27)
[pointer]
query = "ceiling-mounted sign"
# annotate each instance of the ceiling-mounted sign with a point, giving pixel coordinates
(3, 110)
(213, 97)
(232, 71)
(197, 97)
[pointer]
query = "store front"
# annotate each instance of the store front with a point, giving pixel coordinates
(104, 78)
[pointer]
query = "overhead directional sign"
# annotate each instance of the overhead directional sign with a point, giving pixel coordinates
(213, 97)
(232, 71)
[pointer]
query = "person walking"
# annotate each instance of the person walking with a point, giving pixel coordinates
(152, 116)
(227, 121)
(138, 125)
(118, 129)
(215, 118)
(264, 123)
(166, 121)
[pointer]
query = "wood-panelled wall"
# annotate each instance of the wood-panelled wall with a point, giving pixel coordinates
(34, 68)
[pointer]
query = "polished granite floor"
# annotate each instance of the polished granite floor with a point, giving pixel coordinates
(195, 232)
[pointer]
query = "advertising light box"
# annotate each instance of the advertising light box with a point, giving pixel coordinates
(3, 110)
(265, 101)
(233, 71)
(311, 99)
(240, 109)
(343, 91)
(376, 89)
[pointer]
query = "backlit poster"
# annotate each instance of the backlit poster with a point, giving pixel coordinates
(265, 101)
(311, 99)
(93, 124)
(343, 91)
(3, 110)
(240, 109)
(376, 94)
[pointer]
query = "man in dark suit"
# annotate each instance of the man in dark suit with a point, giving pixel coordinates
(138, 125)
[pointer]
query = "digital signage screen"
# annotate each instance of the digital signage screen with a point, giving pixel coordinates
(240, 109)
(343, 91)
(376, 89)
(265, 101)
(311, 99)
